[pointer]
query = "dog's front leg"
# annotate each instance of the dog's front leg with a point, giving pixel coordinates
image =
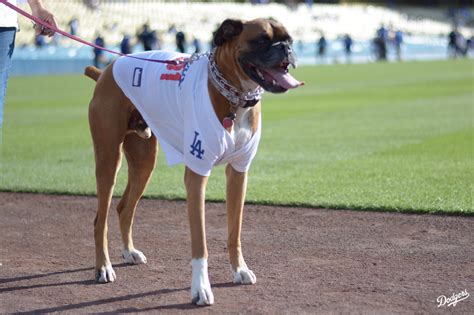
(236, 189)
(201, 293)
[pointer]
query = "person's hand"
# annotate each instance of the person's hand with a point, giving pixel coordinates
(46, 16)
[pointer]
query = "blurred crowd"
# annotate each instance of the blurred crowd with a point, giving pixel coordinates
(147, 39)
(458, 46)
(383, 38)
(391, 39)
(386, 40)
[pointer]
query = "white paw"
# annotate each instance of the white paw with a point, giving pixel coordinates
(201, 293)
(244, 276)
(134, 257)
(105, 274)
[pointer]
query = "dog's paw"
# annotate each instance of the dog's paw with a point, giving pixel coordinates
(244, 276)
(134, 257)
(202, 296)
(201, 293)
(105, 274)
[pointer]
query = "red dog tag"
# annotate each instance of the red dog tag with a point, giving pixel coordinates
(227, 122)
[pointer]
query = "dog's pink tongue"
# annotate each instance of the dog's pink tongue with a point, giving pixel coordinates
(283, 78)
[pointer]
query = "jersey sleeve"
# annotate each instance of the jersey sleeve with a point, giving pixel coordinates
(243, 161)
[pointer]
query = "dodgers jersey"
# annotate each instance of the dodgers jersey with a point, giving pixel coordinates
(174, 101)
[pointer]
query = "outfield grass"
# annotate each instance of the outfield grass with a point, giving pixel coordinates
(379, 136)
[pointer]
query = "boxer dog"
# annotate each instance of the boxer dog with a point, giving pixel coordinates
(204, 111)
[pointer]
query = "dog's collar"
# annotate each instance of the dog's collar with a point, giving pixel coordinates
(231, 93)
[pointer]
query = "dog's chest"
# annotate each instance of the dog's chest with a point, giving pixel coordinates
(242, 129)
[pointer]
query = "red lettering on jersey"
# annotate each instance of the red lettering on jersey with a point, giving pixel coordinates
(178, 67)
(171, 76)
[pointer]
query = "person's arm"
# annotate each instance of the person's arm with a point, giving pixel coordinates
(39, 11)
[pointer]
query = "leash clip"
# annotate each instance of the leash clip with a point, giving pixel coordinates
(195, 57)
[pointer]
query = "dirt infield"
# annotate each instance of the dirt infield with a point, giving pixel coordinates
(306, 260)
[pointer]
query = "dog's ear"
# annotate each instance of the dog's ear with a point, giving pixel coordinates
(228, 30)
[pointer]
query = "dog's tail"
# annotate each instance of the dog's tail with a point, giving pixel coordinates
(92, 72)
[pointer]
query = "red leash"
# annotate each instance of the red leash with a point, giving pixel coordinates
(80, 40)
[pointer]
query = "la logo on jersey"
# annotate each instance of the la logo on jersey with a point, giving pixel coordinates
(197, 151)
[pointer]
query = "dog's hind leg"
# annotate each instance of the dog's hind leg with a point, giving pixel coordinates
(141, 158)
(108, 118)
(108, 157)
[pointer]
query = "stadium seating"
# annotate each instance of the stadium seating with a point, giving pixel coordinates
(114, 18)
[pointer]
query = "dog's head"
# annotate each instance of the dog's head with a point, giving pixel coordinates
(263, 51)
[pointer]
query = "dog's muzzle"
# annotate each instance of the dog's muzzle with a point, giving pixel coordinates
(270, 68)
(287, 50)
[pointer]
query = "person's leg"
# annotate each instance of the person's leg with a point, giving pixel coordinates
(7, 44)
(96, 60)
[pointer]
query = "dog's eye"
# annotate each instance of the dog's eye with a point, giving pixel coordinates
(262, 40)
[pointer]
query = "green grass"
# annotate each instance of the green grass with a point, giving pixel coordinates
(395, 137)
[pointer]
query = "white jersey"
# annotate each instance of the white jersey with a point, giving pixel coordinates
(8, 17)
(174, 101)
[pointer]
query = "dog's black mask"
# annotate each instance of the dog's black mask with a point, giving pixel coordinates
(267, 56)
(267, 63)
